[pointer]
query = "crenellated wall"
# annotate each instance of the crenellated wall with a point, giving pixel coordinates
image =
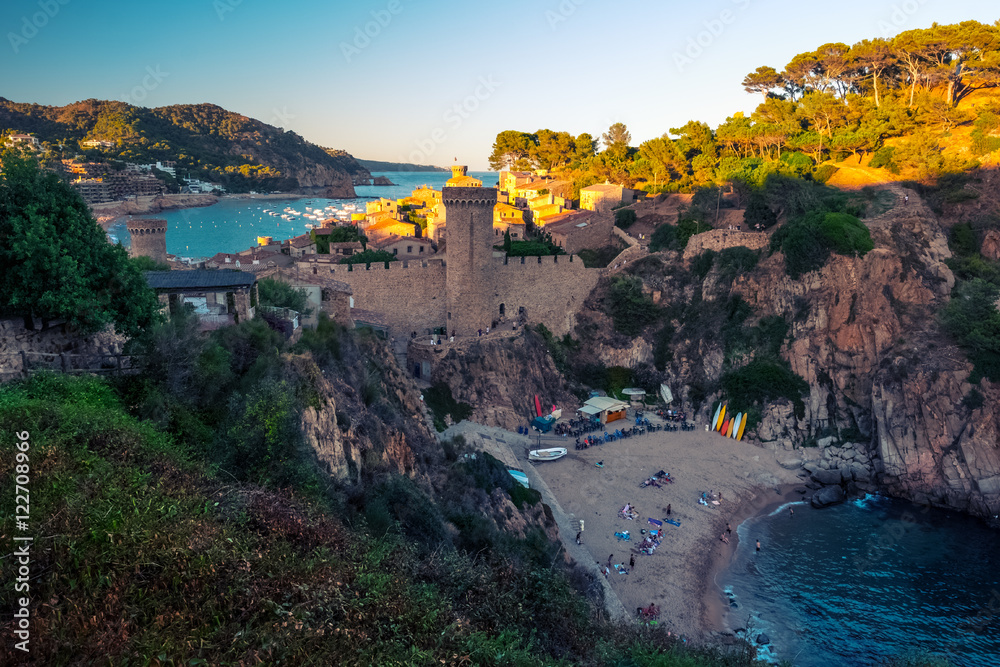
(720, 239)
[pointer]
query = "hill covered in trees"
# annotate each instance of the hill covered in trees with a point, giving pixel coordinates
(204, 140)
(376, 165)
(918, 105)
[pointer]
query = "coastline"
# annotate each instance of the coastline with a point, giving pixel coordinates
(110, 213)
(715, 605)
(679, 576)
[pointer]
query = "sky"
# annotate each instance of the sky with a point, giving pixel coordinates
(432, 82)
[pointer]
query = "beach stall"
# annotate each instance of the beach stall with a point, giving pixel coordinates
(604, 409)
(635, 395)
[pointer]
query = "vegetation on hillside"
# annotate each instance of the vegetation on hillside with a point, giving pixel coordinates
(891, 100)
(206, 141)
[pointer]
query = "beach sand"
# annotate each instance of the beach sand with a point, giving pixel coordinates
(679, 575)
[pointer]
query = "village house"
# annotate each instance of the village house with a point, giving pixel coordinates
(508, 218)
(218, 298)
(388, 228)
(408, 247)
(575, 230)
(25, 140)
(604, 197)
(301, 245)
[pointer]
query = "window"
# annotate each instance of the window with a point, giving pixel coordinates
(409, 250)
(395, 251)
(421, 248)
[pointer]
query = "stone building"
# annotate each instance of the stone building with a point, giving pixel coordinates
(604, 197)
(218, 297)
(149, 238)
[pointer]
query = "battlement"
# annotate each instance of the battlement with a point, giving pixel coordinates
(469, 196)
(147, 226)
(327, 267)
(543, 260)
(720, 239)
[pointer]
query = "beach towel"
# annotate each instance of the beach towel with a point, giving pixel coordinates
(655, 522)
(674, 522)
(620, 569)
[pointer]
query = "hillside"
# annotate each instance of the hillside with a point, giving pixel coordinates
(376, 165)
(204, 140)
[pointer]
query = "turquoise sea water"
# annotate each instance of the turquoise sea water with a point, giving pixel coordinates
(233, 225)
(868, 580)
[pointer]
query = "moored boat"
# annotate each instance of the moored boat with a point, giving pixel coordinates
(520, 477)
(547, 454)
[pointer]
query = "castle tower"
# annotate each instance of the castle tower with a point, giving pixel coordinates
(149, 238)
(459, 170)
(469, 281)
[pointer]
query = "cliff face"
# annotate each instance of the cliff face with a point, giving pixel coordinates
(367, 422)
(886, 383)
(501, 377)
(879, 365)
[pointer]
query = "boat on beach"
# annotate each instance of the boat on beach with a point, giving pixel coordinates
(547, 454)
(520, 477)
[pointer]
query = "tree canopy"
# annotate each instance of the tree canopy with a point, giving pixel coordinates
(56, 262)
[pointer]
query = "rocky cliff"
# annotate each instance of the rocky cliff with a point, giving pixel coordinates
(500, 378)
(886, 383)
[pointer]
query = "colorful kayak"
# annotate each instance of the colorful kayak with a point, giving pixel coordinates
(743, 427)
(725, 426)
(736, 425)
(729, 429)
(520, 477)
(722, 418)
(538, 406)
(715, 419)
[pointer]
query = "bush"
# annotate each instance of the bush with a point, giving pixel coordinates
(279, 294)
(972, 317)
(762, 381)
(441, 403)
(369, 257)
(882, 158)
(534, 248)
(664, 238)
(736, 261)
(630, 309)
(625, 218)
(758, 212)
(599, 258)
(807, 241)
(962, 240)
(703, 263)
(825, 173)
(663, 354)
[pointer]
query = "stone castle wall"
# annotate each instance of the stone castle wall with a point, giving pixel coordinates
(149, 238)
(720, 239)
(550, 289)
(407, 296)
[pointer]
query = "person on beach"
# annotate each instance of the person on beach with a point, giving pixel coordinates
(724, 538)
(668, 509)
(578, 536)
(612, 556)
(791, 513)
(758, 545)
(729, 529)
(631, 562)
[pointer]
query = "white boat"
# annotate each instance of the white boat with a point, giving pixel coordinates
(350, 207)
(547, 454)
(309, 225)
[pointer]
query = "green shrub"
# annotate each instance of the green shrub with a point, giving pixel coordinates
(825, 173)
(702, 264)
(625, 218)
(762, 381)
(534, 248)
(882, 158)
(441, 403)
(369, 257)
(972, 317)
(758, 212)
(808, 240)
(598, 258)
(664, 237)
(663, 354)
(631, 310)
(962, 240)
(736, 261)
(279, 294)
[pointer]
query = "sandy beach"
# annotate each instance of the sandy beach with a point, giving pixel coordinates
(679, 575)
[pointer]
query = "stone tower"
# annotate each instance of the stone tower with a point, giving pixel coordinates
(469, 281)
(149, 238)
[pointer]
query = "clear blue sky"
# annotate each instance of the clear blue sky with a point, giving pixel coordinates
(434, 80)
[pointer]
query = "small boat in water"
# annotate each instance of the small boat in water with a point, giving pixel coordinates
(520, 477)
(547, 454)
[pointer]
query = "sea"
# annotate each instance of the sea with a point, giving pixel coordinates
(867, 581)
(233, 225)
